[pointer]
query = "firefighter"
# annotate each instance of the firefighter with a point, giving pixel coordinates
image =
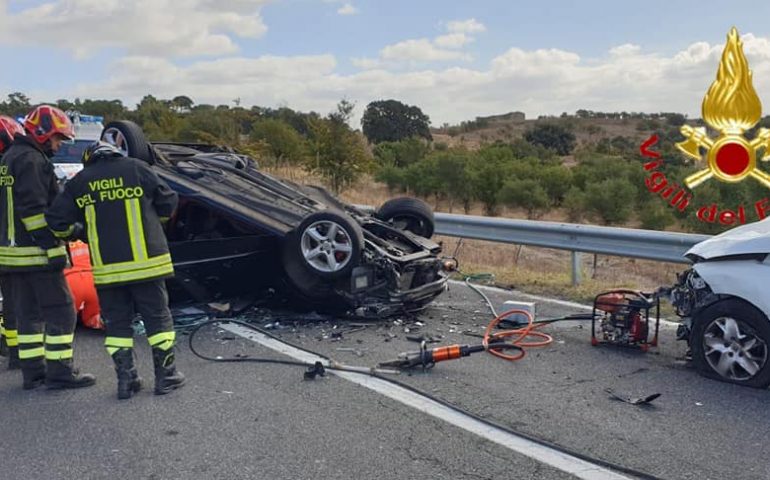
(32, 258)
(122, 205)
(9, 341)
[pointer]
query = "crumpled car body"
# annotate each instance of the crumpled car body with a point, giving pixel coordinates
(239, 231)
(724, 303)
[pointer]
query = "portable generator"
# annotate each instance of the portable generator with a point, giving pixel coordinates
(622, 317)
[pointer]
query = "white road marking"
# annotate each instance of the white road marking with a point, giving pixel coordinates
(567, 463)
(554, 301)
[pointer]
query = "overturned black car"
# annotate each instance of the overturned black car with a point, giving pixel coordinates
(238, 231)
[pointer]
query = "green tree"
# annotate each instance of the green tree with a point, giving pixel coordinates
(552, 136)
(422, 179)
(453, 177)
(489, 169)
(523, 149)
(575, 205)
(284, 144)
(556, 182)
(157, 119)
(391, 121)
(109, 109)
(656, 216)
(402, 153)
(392, 176)
(339, 154)
(526, 194)
(209, 127)
(611, 200)
(17, 105)
(182, 103)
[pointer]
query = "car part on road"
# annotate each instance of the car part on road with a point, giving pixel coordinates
(410, 214)
(633, 400)
(622, 317)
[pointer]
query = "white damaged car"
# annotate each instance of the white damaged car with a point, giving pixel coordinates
(724, 300)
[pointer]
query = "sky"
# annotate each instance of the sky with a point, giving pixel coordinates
(454, 59)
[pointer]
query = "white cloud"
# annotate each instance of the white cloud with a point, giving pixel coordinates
(347, 9)
(452, 40)
(544, 81)
(421, 50)
(466, 26)
(625, 49)
(141, 27)
(366, 63)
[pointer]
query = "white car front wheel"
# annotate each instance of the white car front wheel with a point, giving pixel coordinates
(730, 342)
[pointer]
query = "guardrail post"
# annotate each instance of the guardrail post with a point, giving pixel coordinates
(575, 257)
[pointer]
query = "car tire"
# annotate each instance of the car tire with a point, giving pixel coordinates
(410, 214)
(327, 245)
(129, 138)
(730, 342)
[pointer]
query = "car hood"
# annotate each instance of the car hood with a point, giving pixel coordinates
(751, 239)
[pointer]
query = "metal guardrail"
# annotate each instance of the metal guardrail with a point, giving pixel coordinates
(576, 238)
(623, 242)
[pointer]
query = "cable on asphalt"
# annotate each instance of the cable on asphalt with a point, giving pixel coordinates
(333, 365)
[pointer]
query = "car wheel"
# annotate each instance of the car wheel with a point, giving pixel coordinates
(730, 342)
(327, 244)
(410, 214)
(129, 138)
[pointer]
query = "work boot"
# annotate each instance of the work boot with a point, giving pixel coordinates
(3, 346)
(167, 378)
(13, 358)
(62, 374)
(128, 378)
(32, 373)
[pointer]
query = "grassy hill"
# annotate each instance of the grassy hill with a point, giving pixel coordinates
(507, 127)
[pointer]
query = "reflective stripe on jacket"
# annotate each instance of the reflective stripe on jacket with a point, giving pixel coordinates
(27, 187)
(121, 202)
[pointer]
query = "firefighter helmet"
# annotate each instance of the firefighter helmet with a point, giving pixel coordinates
(8, 128)
(98, 149)
(45, 121)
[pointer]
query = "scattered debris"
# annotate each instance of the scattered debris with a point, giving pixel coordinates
(425, 338)
(220, 307)
(356, 351)
(633, 400)
(314, 371)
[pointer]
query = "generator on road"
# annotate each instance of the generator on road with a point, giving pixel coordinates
(622, 317)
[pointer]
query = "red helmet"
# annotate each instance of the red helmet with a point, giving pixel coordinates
(45, 121)
(8, 128)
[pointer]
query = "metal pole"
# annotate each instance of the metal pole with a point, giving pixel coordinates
(575, 257)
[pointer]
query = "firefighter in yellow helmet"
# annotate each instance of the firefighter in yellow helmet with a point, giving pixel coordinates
(32, 259)
(122, 204)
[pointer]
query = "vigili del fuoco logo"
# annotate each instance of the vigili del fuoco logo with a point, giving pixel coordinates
(731, 107)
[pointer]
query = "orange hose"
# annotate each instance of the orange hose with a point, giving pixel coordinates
(521, 335)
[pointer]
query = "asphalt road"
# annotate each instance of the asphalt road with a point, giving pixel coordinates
(264, 421)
